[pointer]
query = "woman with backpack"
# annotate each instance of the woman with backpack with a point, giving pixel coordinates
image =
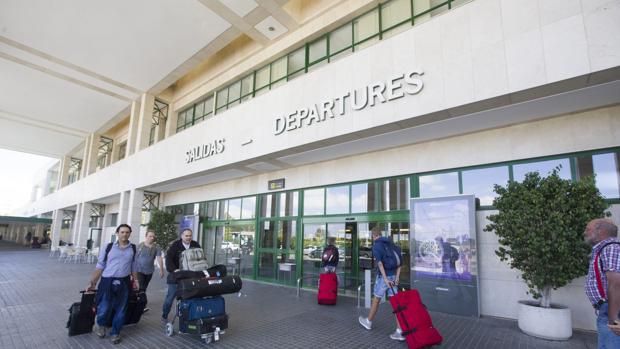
(146, 253)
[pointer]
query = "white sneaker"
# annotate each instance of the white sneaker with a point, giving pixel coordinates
(397, 335)
(365, 322)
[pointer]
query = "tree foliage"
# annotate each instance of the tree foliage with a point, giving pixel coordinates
(540, 226)
(162, 223)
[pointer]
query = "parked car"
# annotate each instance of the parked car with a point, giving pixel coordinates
(229, 246)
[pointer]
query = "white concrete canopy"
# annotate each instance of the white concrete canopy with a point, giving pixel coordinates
(69, 67)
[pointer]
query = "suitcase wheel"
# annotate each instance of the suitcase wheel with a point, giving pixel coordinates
(169, 330)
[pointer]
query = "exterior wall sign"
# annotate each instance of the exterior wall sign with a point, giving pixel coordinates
(205, 150)
(395, 87)
(276, 184)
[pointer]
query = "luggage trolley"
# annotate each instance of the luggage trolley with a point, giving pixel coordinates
(209, 328)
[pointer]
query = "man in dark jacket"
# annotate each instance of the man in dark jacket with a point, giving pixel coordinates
(173, 258)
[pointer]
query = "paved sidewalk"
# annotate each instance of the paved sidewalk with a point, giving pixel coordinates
(36, 291)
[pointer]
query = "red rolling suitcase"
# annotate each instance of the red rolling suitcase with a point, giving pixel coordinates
(328, 289)
(414, 320)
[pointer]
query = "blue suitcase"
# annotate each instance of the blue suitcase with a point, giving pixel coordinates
(198, 308)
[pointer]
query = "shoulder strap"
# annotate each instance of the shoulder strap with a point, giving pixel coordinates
(107, 251)
(598, 270)
(133, 247)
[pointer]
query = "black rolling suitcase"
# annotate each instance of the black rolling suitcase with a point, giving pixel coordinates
(203, 325)
(135, 307)
(82, 314)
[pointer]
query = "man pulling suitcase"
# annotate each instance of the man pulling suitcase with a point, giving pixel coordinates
(114, 267)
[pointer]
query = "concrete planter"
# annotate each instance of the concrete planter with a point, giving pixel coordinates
(552, 323)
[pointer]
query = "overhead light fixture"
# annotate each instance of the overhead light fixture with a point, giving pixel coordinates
(271, 29)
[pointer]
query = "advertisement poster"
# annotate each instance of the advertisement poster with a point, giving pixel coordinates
(190, 222)
(442, 239)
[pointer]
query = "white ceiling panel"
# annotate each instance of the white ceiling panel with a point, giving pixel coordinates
(135, 42)
(21, 137)
(240, 7)
(40, 96)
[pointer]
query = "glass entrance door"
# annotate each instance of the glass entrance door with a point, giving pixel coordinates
(231, 245)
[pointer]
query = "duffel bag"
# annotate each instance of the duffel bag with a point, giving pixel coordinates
(215, 271)
(193, 309)
(206, 287)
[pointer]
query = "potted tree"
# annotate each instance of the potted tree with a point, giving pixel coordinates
(540, 224)
(162, 223)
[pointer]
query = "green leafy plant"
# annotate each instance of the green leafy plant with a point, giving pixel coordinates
(540, 226)
(162, 223)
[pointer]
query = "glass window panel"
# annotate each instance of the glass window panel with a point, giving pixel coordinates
(359, 198)
(366, 26)
(266, 265)
(268, 205)
(266, 234)
(222, 98)
(420, 6)
(181, 119)
(340, 38)
(443, 7)
(288, 203)
(606, 170)
(443, 184)
(314, 202)
(297, 60)
(480, 182)
(286, 235)
(234, 209)
(234, 91)
(200, 108)
(337, 200)
(247, 85)
(278, 69)
(222, 209)
(543, 167)
(317, 50)
(395, 194)
(395, 12)
(209, 105)
(248, 207)
(262, 77)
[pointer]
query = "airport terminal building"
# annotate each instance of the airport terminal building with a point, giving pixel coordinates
(303, 120)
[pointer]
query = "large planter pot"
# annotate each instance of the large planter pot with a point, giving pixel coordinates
(552, 323)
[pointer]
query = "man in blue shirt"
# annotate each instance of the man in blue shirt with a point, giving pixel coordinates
(387, 278)
(114, 268)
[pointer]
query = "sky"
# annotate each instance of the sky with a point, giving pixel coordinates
(17, 178)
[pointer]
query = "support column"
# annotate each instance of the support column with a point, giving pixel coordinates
(171, 122)
(136, 196)
(90, 159)
(84, 222)
(133, 128)
(57, 217)
(122, 208)
(63, 172)
(145, 121)
(75, 224)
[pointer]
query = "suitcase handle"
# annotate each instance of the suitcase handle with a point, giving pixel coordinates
(88, 291)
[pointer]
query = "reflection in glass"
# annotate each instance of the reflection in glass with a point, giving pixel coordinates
(288, 203)
(337, 200)
(313, 243)
(606, 170)
(268, 205)
(543, 167)
(266, 234)
(394, 194)
(480, 182)
(248, 207)
(286, 235)
(286, 267)
(266, 265)
(442, 184)
(234, 209)
(314, 202)
(222, 209)
(359, 198)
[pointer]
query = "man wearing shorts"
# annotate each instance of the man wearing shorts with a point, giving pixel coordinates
(387, 279)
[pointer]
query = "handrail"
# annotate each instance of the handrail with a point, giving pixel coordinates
(299, 282)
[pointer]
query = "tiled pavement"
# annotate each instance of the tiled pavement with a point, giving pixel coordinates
(36, 291)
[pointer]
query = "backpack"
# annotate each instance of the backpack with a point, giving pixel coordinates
(392, 256)
(193, 259)
(109, 248)
(330, 254)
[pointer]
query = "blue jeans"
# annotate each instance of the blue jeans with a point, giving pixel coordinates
(113, 301)
(172, 289)
(381, 287)
(606, 338)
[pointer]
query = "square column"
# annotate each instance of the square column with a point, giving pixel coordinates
(57, 216)
(63, 172)
(75, 224)
(90, 155)
(134, 213)
(122, 208)
(145, 121)
(171, 121)
(133, 128)
(84, 224)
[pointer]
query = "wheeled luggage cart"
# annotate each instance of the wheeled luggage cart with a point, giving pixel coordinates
(209, 328)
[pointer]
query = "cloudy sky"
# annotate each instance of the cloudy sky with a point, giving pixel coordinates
(17, 178)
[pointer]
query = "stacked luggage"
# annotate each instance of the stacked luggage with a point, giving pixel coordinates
(82, 315)
(201, 309)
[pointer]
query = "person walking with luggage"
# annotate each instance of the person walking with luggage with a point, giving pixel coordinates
(388, 259)
(173, 256)
(603, 281)
(146, 254)
(115, 265)
(330, 255)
